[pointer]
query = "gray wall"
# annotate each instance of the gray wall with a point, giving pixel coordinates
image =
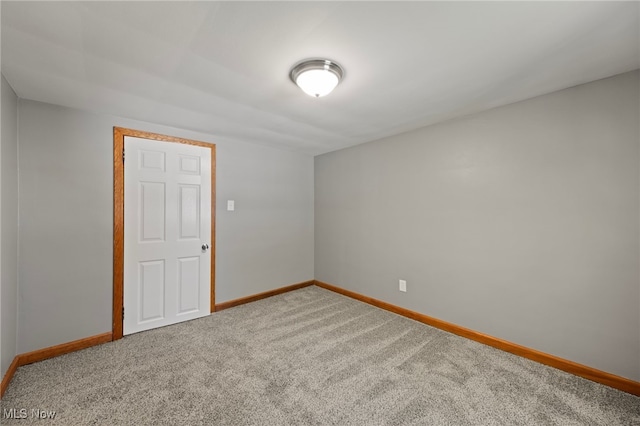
(521, 222)
(66, 215)
(8, 226)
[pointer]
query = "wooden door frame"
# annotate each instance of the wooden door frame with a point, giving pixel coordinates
(119, 134)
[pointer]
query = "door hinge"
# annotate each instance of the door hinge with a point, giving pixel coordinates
(123, 313)
(123, 156)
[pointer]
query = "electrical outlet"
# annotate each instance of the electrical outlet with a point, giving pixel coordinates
(402, 286)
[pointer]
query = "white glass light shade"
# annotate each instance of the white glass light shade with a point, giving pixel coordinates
(317, 82)
(317, 77)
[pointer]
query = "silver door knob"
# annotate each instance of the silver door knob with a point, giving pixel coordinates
(205, 247)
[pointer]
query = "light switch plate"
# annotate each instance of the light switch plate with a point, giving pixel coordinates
(231, 205)
(402, 285)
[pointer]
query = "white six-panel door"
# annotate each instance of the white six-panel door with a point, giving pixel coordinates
(167, 227)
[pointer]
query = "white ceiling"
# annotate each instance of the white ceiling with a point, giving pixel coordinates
(222, 68)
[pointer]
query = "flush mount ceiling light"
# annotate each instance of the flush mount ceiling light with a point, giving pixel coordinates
(316, 77)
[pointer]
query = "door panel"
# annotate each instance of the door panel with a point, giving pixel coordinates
(151, 284)
(152, 202)
(189, 213)
(152, 160)
(189, 165)
(167, 222)
(188, 291)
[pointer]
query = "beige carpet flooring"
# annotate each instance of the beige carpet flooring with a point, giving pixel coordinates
(309, 357)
